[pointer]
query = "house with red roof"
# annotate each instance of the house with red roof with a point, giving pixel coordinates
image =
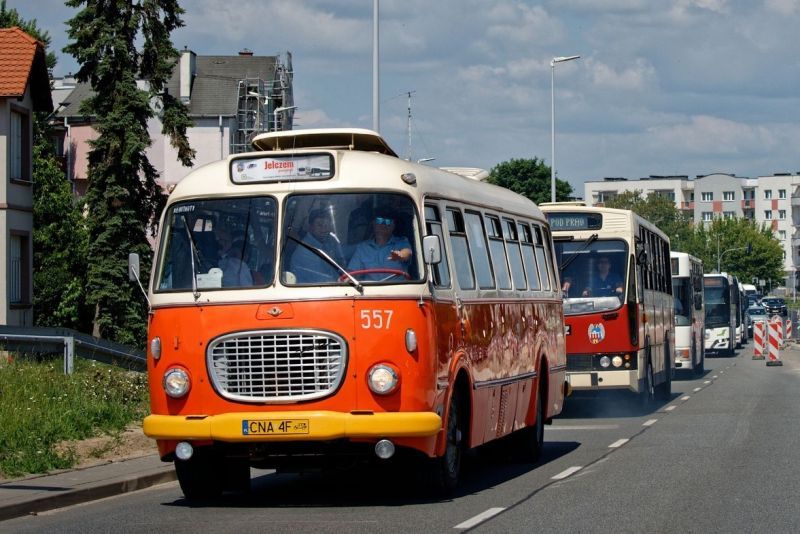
(24, 89)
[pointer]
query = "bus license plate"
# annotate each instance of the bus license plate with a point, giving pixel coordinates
(267, 427)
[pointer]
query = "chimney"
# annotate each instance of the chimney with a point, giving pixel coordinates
(245, 52)
(188, 71)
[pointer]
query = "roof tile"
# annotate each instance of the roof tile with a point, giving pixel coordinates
(17, 52)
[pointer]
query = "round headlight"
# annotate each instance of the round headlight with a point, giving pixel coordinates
(616, 361)
(605, 361)
(382, 379)
(176, 382)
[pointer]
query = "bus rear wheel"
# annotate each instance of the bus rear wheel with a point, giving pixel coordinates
(529, 441)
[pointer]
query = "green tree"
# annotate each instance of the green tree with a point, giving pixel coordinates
(116, 43)
(529, 177)
(740, 247)
(59, 243)
(660, 211)
(59, 233)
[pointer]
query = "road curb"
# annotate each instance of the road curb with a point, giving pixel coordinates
(93, 492)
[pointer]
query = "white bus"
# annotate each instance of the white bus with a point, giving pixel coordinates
(721, 302)
(370, 306)
(618, 305)
(687, 289)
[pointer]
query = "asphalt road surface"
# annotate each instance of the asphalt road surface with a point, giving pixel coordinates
(722, 456)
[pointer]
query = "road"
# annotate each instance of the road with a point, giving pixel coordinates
(722, 456)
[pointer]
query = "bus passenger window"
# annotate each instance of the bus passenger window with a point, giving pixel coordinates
(528, 256)
(480, 254)
(514, 255)
(498, 249)
(458, 243)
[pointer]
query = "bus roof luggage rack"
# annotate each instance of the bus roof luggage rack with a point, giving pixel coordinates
(331, 138)
(468, 172)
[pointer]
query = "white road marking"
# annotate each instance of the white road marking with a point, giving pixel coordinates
(707, 382)
(670, 408)
(697, 389)
(583, 427)
(480, 518)
(649, 422)
(687, 397)
(567, 472)
(618, 443)
(715, 376)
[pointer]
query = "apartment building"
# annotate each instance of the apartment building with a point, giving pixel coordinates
(773, 200)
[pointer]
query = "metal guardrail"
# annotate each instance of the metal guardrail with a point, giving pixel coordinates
(71, 343)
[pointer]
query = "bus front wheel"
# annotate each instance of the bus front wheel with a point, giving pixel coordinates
(647, 395)
(529, 441)
(444, 471)
(201, 477)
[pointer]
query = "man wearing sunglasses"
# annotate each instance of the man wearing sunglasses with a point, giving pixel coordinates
(383, 251)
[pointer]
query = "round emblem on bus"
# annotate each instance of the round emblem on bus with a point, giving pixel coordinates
(597, 333)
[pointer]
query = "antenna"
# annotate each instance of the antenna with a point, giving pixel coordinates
(408, 125)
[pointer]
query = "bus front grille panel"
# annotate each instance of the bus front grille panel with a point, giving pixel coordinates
(277, 366)
(580, 362)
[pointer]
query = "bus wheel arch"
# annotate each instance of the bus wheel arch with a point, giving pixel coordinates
(444, 470)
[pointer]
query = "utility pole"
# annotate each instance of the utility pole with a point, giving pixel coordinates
(408, 125)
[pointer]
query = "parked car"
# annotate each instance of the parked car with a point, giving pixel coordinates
(775, 306)
(755, 313)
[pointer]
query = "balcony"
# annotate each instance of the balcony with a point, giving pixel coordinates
(796, 201)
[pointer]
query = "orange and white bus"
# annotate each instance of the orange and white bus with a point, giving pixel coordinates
(618, 305)
(322, 298)
(690, 316)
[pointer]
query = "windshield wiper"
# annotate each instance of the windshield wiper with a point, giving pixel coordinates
(192, 252)
(324, 255)
(592, 239)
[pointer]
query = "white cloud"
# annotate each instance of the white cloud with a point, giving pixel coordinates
(633, 78)
(712, 136)
(784, 7)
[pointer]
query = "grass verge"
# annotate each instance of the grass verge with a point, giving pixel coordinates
(41, 407)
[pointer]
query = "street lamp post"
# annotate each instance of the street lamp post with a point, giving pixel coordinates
(560, 59)
(280, 110)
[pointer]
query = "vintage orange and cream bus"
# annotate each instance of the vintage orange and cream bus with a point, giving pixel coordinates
(618, 305)
(321, 297)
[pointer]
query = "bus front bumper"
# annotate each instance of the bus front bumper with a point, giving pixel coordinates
(291, 426)
(599, 380)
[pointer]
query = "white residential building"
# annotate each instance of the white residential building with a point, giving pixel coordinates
(772, 200)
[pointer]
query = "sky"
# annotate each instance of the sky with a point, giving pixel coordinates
(662, 87)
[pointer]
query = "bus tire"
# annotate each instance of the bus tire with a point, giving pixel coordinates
(647, 395)
(444, 471)
(201, 477)
(529, 441)
(663, 391)
(699, 368)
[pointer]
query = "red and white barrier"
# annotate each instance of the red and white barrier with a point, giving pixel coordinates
(788, 328)
(774, 340)
(759, 345)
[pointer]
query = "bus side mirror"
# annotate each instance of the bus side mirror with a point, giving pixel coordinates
(133, 266)
(431, 249)
(698, 301)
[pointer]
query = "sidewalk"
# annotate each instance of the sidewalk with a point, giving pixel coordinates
(46, 492)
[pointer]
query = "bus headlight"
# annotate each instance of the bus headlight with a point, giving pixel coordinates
(605, 361)
(382, 379)
(616, 361)
(176, 382)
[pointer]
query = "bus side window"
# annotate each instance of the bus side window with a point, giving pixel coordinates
(514, 255)
(433, 226)
(529, 256)
(480, 253)
(542, 259)
(460, 248)
(498, 250)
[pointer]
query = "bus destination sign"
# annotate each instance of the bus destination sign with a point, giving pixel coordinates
(574, 221)
(275, 169)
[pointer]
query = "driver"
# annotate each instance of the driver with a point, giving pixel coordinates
(384, 250)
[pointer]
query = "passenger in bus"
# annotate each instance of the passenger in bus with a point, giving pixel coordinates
(383, 251)
(308, 266)
(604, 283)
(235, 272)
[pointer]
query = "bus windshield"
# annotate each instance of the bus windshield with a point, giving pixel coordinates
(593, 273)
(220, 243)
(682, 291)
(718, 303)
(349, 237)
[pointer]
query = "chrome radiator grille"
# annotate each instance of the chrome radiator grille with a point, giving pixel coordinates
(277, 365)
